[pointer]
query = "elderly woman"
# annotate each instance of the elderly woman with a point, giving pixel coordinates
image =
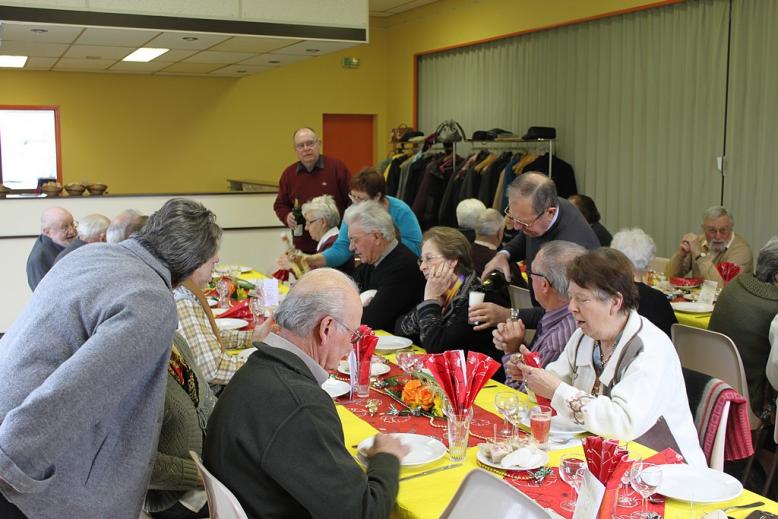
(368, 184)
(468, 211)
(640, 249)
(619, 375)
(592, 215)
(439, 322)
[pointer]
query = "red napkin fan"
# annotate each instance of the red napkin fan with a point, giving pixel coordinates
(532, 359)
(461, 378)
(239, 310)
(281, 275)
(364, 349)
(603, 456)
(728, 270)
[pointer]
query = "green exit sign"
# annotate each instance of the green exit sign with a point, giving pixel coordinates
(350, 62)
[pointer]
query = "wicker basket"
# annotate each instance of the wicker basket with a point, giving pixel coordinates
(96, 189)
(75, 189)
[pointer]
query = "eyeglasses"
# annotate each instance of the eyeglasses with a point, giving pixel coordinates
(538, 274)
(518, 222)
(357, 199)
(356, 335)
(306, 144)
(354, 239)
(311, 222)
(428, 259)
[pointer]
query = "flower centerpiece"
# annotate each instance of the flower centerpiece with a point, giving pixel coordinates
(421, 395)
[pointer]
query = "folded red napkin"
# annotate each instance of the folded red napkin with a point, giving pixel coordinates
(603, 456)
(460, 377)
(238, 310)
(281, 274)
(364, 349)
(728, 270)
(532, 359)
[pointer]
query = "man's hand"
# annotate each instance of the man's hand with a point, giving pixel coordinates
(388, 444)
(542, 382)
(290, 221)
(488, 315)
(498, 262)
(690, 243)
(508, 336)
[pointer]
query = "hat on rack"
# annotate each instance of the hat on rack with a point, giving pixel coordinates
(407, 136)
(540, 132)
(490, 135)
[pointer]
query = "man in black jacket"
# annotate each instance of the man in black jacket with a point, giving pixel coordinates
(387, 266)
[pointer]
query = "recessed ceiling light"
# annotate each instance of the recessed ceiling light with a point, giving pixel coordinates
(190, 38)
(39, 31)
(145, 54)
(12, 61)
(311, 50)
(274, 61)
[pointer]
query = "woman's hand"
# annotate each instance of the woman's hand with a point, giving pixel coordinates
(488, 315)
(542, 382)
(440, 279)
(509, 336)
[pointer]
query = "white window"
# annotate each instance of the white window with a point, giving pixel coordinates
(28, 145)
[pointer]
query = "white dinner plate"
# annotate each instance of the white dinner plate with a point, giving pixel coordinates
(212, 301)
(227, 268)
(538, 459)
(692, 307)
(424, 449)
(376, 368)
(392, 342)
(230, 324)
(218, 311)
(698, 484)
(335, 387)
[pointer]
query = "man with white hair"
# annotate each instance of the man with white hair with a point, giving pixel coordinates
(387, 266)
(275, 438)
(468, 211)
(489, 231)
(124, 225)
(57, 231)
(91, 229)
(698, 255)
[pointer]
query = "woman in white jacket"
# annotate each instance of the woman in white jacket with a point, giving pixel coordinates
(619, 375)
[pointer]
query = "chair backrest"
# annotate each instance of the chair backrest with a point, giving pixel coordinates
(222, 504)
(714, 354)
(658, 264)
(482, 494)
(520, 297)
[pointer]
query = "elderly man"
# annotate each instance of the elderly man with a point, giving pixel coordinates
(468, 211)
(57, 231)
(84, 371)
(698, 255)
(91, 229)
(387, 266)
(312, 175)
(534, 209)
(275, 439)
(548, 275)
(125, 223)
(489, 230)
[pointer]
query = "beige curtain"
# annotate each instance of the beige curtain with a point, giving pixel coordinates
(637, 100)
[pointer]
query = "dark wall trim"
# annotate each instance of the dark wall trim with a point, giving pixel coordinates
(172, 23)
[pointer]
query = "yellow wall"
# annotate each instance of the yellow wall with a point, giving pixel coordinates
(174, 134)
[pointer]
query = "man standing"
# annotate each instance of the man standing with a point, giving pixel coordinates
(314, 174)
(57, 231)
(275, 438)
(699, 254)
(91, 229)
(84, 371)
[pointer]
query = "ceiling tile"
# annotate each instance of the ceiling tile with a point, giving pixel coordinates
(198, 68)
(40, 63)
(98, 51)
(303, 48)
(238, 70)
(83, 64)
(10, 31)
(253, 44)
(224, 58)
(174, 55)
(282, 59)
(115, 37)
(38, 50)
(175, 40)
(138, 68)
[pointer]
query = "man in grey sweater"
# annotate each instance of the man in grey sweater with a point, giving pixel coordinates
(83, 371)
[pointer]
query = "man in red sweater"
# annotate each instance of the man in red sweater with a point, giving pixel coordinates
(312, 175)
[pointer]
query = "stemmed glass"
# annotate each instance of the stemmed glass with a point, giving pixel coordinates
(508, 404)
(645, 479)
(257, 306)
(223, 289)
(571, 470)
(407, 361)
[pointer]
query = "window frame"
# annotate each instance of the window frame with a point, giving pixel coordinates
(57, 139)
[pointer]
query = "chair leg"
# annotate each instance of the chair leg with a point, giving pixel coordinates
(770, 474)
(757, 442)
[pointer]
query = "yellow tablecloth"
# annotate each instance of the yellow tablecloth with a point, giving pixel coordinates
(697, 320)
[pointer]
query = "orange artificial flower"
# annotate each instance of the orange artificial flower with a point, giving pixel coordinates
(416, 394)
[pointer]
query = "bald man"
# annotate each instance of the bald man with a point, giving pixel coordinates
(91, 229)
(58, 230)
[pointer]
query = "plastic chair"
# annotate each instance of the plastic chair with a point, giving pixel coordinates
(222, 503)
(482, 494)
(714, 354)
(658, 264)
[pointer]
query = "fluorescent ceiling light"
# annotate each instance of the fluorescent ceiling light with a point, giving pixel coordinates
(13, 61)
(145, 54)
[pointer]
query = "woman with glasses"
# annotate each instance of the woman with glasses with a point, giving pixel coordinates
(619, 375)
(439, 322)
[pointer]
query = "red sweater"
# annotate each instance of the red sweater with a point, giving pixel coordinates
(329, 177)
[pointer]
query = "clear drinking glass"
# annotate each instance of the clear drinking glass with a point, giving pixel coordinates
(571, 470)
(223, 289)
(507, 403)
(257, 306)
(645, 479)
(540, 424)
(407, 361)
(458, 433)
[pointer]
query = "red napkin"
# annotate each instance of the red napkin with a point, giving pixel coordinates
(603, 456)
(239, 311)
(728, 270)
(461, 378)
(364, 349)
(281, 275)
(533, 359)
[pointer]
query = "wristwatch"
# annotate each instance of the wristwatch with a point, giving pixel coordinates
(514, 314)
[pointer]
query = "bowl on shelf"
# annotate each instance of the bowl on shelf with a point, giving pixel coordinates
(51, 188)
(75, 189)
(96, 189)
(4, 191)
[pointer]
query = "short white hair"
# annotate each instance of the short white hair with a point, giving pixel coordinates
(373, 217)
(323, 207)
(717, 211)
(92, 226)
(636, 245)
(468, 211)
(489, 223)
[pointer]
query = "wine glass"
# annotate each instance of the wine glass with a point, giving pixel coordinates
(508, 404)
(223, 289)
(257, 306)
(406, 360)
(645, 478)
(571, 470)
(625, 499)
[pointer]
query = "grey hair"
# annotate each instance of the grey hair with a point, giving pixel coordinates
(298, 130)
(323, 207)
(92, 226)
(373, 217)
(489, 223)
(125, 223)
(468, 211)
(636, 245)
(767, 261)
(537, 187)
(556, 256)
(304, 307)
(717, 211)
(183, 234)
